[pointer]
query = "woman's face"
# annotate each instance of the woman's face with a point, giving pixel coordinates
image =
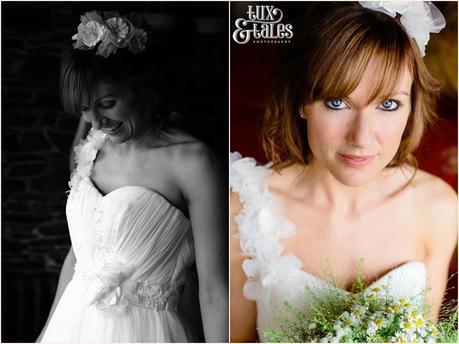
(354, 140)
(116, 111)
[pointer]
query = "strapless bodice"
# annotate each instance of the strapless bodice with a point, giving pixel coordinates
(133, 250)
(275, 276)
(133, 237)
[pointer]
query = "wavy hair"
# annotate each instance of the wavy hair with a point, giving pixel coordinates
(332, 46)
(152, 76)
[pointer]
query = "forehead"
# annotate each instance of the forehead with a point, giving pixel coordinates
(375, 83)
(374, 76)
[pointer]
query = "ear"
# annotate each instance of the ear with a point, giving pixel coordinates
(301, 112)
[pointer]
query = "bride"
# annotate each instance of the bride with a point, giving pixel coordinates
(146, 201)
(351, 102)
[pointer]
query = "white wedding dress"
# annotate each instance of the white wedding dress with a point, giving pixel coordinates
(133, 250)
(274, 276)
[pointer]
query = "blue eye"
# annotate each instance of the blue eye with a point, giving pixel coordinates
(389, 105)
(335, 104)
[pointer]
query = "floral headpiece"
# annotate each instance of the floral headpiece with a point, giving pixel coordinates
(113, 31)
(419, 18)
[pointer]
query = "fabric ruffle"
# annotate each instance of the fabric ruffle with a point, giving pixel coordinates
(85, 153)
(108, 285)
(261, 223)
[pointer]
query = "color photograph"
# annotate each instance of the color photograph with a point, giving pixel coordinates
(343, 172)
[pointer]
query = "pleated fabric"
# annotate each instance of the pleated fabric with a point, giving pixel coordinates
(133, 250)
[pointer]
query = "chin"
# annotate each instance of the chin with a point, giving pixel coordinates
(117, 138)
(356, 176)
(120, 136)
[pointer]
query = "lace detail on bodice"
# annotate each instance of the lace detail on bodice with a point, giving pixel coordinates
(110, 287)
(157, 296)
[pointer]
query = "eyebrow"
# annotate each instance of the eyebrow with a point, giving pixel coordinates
(105, 96)
(82, 106)
(402, 93)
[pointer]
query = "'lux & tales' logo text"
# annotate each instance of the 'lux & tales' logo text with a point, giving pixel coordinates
(263, 25)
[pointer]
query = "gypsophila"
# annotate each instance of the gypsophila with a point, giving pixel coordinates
(371, 316)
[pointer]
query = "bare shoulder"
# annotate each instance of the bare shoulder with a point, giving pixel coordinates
(438, 206)
(186, 155)
(235, 203)
(434, 192)
(192, 156)
(198, 170)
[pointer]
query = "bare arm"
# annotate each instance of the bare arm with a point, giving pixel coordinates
(243, 311)
(82, 131)
(206, 193)
(441, 240)
(64, 279)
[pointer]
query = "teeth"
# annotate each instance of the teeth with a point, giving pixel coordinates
(114, 128)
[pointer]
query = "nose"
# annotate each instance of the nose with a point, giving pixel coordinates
(92, 117)
(360, 132)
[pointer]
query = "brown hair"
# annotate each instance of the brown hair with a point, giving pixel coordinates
(330, 51)
(81, 69)
(152, 75)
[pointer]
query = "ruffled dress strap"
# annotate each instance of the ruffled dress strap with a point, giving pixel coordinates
(261, 223)
(85, 154)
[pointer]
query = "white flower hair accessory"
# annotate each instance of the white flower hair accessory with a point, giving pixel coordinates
(419, 18)
(112, 31)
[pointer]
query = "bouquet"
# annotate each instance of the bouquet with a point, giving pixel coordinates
(369, 316)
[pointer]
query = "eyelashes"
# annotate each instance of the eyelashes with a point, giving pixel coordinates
(387, 105)
(335, 104)
(107, 104)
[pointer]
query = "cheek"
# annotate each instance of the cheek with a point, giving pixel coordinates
(391, 132)
(325, 131)
(86, 117)
(135, 114)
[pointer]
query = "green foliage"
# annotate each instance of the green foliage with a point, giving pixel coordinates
(365, 315)
(447, 325)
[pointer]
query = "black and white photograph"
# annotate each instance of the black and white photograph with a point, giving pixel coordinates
(229, 171)
(114, 172)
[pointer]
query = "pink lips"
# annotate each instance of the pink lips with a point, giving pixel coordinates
(357, 161)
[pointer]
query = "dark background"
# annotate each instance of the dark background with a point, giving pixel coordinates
(253, 66)
(37, 135)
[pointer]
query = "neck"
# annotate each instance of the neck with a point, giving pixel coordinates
(143, 140)
(325, 190)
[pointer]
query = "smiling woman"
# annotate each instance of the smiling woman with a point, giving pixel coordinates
(147, 203)
(115, 111)
(93, 87)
